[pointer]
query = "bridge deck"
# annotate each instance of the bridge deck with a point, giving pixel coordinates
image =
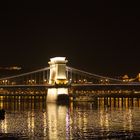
(80, 86)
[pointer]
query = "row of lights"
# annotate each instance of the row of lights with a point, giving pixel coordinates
(34, 81)
(31, 81)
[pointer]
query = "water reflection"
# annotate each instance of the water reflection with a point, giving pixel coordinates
(118, 102)
(4, 126)
(58, 120)
(33, 117)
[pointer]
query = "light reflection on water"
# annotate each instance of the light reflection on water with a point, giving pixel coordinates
(80, 120)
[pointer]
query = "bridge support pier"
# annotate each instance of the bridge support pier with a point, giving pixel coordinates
(58, 77)
(57, 95)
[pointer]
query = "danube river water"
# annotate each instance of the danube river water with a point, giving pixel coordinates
(35, 119)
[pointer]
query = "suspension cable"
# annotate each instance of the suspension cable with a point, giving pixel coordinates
(24, 74)
(91, 74)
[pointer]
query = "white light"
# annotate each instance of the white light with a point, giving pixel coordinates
(58, 59)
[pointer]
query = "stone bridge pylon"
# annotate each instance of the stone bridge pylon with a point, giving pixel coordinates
(58, 71)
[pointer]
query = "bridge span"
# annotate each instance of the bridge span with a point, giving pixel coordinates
(58, 75)
(129, 86)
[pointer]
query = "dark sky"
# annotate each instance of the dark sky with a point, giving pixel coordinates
(100, 37)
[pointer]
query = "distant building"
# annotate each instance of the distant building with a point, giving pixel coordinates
(125, 78)
(10, 68)
(8, 71)
(135, 79)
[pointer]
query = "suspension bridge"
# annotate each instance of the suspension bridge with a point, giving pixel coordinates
(59, 75)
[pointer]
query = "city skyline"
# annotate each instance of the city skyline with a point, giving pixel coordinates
(100, 38)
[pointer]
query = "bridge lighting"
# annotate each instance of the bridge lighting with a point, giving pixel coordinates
(13, 83)
(45, 80)
(58, 59)
(31, 81)
(107, 80)
(85, 80)
(101, 80)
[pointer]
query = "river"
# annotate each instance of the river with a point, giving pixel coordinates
(38, 120)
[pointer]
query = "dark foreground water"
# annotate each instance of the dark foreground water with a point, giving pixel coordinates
(35, 119)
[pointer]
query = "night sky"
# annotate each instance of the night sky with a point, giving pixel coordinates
(100, 37)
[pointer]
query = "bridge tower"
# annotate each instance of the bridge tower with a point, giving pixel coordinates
(138, 77)
(58, 71)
